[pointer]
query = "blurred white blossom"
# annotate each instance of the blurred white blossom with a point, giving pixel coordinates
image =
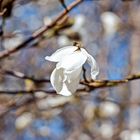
(12, 42)
(79, 23)
(125, 135)
(110, 22)
(135, 135)
(75, 32)
(130, 135)
(89, 109)
(23, 121)
(65, 77)
(47, 21)
(84, 136)
(53, 102)
(106, 130)
(109, 109)
(63, 40)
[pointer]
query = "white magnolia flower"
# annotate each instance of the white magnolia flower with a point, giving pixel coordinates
(66, 76)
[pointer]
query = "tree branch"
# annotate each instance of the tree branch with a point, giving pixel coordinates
(23, 76)
(51, 92)
(109, 83)
(39, 32)
(89, 84)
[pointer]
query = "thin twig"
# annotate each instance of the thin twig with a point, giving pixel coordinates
(63, 4)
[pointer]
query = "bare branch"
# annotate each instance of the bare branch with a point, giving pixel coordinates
(23, 76)
(110, 83)
(39, 32)
(51, 92)
(90, 85)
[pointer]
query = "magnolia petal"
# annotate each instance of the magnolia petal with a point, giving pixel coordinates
(61, 53)
(94, 67)
(65, 91)
(92, 63)
(71, 82)
(56, 79)
(71, 75)
(58, 82)
(72, 85)
(65, 83)
(73, 79)
(73, 61)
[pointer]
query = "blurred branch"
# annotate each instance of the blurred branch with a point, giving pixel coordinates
(22, 76)
(52, 92)
(1, 33)
(39, 32)
(6, 7)
(14, 105)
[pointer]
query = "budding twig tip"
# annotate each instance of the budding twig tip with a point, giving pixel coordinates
(77, 44)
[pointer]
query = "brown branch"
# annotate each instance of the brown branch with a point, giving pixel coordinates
(23, 76)
(63, 4)
(89, 84)
(51, 92)
(14, 105)
(109, 83)
(39, 32)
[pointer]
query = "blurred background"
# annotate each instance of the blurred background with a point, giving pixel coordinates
(110, 31)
